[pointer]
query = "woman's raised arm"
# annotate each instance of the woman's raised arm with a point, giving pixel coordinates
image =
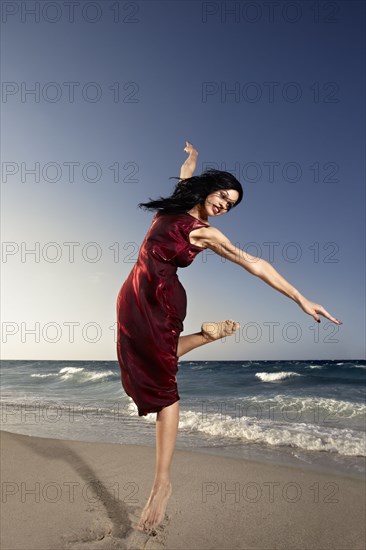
(189, 166)
(211, 237)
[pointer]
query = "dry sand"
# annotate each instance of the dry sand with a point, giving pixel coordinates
(77, 495)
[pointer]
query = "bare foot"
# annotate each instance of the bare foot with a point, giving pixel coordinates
(214, 331)
(153, 513)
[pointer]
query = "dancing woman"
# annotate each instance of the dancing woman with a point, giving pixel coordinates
(151, 306)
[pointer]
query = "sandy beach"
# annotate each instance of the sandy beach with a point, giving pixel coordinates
(60, 494)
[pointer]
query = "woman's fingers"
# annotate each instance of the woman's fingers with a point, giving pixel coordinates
(190, 149)
(187, 147)
(314, 309)
(324, 312)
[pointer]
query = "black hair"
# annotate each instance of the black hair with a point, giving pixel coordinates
(192, 191)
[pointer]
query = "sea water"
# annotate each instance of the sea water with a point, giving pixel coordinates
(307, 413)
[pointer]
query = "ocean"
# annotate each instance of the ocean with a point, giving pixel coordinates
(307, 413)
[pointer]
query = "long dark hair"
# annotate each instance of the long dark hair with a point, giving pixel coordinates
(192, 191)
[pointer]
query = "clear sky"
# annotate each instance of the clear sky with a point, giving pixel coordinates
(97, 101)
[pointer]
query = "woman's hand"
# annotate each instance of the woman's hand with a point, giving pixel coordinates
(190, 149)
(314, 309)
(189, 165)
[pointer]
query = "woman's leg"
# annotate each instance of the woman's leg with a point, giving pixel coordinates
(166, 432)
(167, 427)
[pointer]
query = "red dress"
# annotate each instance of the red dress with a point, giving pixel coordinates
(151, 308)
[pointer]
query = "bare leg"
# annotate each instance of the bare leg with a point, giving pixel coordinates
(166, 431)
(167, 421)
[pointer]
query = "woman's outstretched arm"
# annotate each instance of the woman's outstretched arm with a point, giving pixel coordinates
(189, 166)
(210, 237)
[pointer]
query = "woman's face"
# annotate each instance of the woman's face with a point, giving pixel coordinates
(220, 202)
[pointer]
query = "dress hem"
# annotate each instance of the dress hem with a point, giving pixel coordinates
(144, 412)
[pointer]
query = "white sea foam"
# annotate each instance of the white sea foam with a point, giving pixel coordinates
(318, 410)
(68, 372)
(306, 423)
(44, 375)
(91, 376)
(301, 435)
(315, 366)
(77, 374)
(275, 376)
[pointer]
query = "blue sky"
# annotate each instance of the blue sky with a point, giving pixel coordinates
(273, 93)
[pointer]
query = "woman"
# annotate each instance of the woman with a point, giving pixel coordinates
(151, 306)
